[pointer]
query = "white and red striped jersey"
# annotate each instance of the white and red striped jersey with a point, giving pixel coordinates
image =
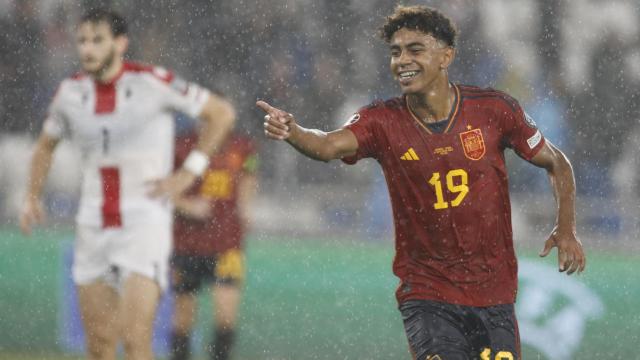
(125, 133)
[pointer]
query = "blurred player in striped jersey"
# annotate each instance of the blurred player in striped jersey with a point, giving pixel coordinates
(441, 147)
(211, 221)
(120, 116)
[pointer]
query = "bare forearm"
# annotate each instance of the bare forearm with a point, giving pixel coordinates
(312, 143)
(212, 136)
(219, 118)
(40, 165)
(564, 190)
(570, 253)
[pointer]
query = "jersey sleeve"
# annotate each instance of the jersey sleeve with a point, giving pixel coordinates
(521, 132)
(55, 124)
(362, 124)
(180, 95)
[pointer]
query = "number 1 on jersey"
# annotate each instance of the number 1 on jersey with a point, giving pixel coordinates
(453, 185)
(440, 203)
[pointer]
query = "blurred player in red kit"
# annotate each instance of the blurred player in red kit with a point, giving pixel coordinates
(210, 224)
(120, 115)
(441, 147)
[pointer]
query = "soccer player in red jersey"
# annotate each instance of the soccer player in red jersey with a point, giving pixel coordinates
(441, 147)
(120, 115)
(211, 221)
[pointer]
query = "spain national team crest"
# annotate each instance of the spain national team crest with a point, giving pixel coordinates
(473, 144)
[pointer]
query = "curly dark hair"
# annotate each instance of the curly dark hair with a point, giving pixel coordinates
(116, 22)
(422, 18)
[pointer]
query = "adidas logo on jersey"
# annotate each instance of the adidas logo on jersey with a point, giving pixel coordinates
(410, 155)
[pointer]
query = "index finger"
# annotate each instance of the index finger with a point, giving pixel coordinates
(266, 107)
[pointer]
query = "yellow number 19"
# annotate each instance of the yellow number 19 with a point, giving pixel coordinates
(459, 186)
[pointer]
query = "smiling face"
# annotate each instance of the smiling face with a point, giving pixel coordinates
(418, 60)
(97, 47)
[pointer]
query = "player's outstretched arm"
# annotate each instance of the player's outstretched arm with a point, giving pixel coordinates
(32, 212)
(218, 117)
(316, 144)
(571, 256)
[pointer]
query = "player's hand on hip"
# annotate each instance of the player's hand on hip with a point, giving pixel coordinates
(571, 256)
(31, 214)
(278, 124)
(172, 186)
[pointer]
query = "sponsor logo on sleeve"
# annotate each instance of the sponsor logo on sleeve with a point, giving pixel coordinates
(534, 140)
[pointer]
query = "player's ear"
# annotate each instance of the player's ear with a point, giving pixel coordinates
(122, 43)
(448, 55)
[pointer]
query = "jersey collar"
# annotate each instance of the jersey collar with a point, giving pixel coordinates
(452, 114)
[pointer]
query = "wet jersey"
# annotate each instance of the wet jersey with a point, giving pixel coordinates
(223, 230)
(449, 193)
(124, 131)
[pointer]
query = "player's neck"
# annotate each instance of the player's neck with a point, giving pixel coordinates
(111, 72)
(433, 105)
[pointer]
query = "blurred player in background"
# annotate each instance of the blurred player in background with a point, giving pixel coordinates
(120, 115)
(211, 221)
(441, 147)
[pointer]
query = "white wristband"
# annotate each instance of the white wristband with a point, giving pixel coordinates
(196, 163)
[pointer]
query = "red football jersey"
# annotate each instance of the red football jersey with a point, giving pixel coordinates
(223, 230)
(449, 193)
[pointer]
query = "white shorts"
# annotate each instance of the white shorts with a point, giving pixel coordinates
(113, 254)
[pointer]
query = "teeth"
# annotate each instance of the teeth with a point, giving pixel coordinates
(407, 74)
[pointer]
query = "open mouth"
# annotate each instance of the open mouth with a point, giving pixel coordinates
(407, 75)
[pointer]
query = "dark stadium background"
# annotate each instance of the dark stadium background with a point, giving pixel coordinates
(319, 257)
